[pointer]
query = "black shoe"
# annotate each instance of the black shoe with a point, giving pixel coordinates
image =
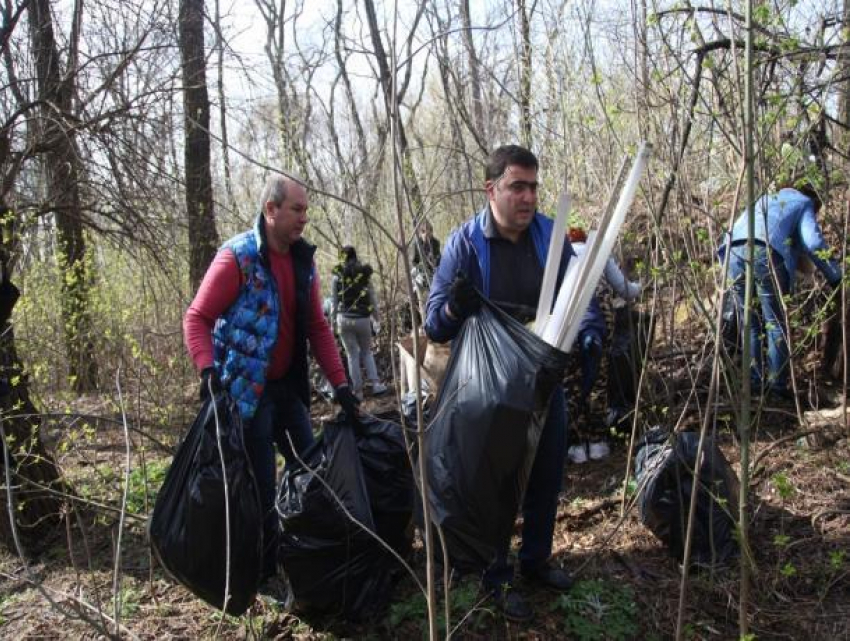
(511, 604)
(549, 577)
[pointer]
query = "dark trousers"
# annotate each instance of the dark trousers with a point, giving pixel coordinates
(279, 413)
(540, 504)
(625, 357)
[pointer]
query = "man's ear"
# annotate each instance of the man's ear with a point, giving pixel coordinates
(489, 187)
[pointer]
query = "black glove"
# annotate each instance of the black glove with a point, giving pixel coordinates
(209, 378)
(347, 401)
(464, 300)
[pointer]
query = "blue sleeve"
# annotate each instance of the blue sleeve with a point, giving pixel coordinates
(438, 326)
(815, 246)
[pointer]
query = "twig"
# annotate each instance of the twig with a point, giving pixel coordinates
(214, 402)
(116, 576)
(777, 442)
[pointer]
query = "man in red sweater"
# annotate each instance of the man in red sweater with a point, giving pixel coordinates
(247, 331)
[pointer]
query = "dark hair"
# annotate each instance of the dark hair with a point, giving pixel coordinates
(506, 155)
(807, 189)
(349, 252)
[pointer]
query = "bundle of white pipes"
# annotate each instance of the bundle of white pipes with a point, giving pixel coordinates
(560, 328)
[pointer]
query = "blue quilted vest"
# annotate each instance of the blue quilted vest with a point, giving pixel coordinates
(245, 336)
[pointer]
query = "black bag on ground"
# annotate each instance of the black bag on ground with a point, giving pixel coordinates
(188, 527)
(335, 567)
(481, 444)
(389, 479)
(666, 469)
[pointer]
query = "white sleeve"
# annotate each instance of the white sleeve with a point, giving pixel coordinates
(619, 283)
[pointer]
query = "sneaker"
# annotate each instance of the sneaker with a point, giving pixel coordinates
(549, 576)
(598, 451)
(577, 454)
(378, 389)
(511, 604)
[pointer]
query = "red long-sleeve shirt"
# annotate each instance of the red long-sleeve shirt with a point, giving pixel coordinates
(220, 289)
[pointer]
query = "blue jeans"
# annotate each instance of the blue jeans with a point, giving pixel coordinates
(770, 322)
(356, 335)
(590, 355)
(279, 412)
(540, 504)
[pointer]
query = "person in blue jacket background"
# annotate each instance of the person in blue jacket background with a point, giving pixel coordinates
(500, 254)
(786, 228)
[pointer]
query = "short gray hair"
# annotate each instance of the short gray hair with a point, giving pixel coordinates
(274, 191)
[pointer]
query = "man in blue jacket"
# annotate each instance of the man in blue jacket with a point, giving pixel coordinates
(501, 253)
(786, 228)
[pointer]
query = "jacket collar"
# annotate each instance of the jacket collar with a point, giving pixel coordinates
(301, 249)
(488, 225)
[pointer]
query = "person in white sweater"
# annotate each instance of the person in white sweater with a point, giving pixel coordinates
(591, 444)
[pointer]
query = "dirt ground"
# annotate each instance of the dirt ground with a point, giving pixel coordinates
(799, 542)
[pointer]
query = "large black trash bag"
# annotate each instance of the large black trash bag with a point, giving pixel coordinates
(666, 469)
(334, 567)
(188, 526)
(483, 437)
(389, 479)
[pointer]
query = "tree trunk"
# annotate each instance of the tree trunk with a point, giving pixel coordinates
(64, 176)
(525, 72)
(844, 92)
(33, 473)
(203, 237)
(291, 113)
(480, 132)
(392, 101)
(222, 110)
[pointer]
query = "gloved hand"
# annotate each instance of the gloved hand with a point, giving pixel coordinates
(209, 378)
(464, 300)
(347, 401)
(376, 327)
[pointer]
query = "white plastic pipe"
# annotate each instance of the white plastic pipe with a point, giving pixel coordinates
(594, 265)
(553, 261)
(565, 296)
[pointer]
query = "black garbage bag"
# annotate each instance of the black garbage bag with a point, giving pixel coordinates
(666, 468)
(188, 527)
(487, 421)
(333, 565)
(389, 479)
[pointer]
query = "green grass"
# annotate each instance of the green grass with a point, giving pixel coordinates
(599, 610)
